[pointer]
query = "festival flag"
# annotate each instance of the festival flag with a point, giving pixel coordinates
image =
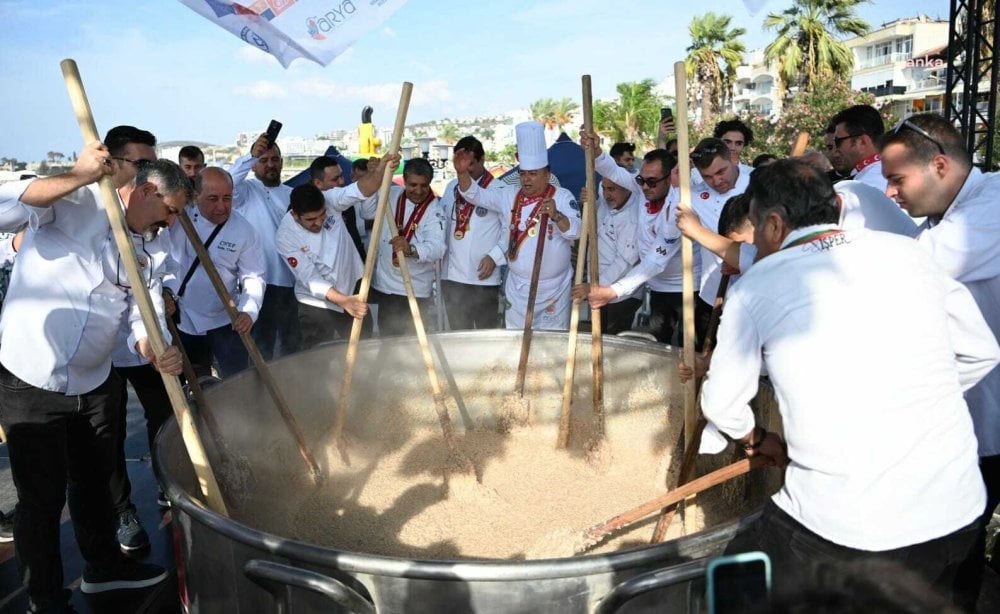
(317, 30)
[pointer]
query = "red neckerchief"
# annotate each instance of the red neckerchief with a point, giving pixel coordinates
(517, 236)
(463, 209)
(654, 206)
(872, 159)
(410, 228)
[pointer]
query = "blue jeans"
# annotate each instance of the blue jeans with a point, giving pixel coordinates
(55, 441)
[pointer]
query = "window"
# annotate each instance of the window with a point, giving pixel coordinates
(904, 46)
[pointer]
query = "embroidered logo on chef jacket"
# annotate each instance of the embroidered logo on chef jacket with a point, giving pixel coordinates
(576, 206)
(704, 195)
(293, 262)
(228, 246)
(551, 308)
(481, 211)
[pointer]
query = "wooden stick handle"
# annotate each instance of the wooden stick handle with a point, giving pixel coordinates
(683, 476)
(529, 315)
(562, 439)
(687, 248)
(597, 532)
(596, 338)
(343, 398)
(189, 434)
(801, 142)
(261, 365)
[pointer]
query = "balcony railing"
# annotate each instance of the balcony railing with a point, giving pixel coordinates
(882, 60)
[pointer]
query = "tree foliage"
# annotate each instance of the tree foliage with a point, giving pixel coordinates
(712, 58)
(808, 42)
(553, 113)
(634, 116)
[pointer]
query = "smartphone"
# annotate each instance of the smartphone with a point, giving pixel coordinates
(666, 113)
(738, 583)
(272, 132)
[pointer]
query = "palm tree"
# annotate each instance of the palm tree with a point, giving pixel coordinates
(808, 42)
(449, 133)
(563, 111)
(633, 117)
(543, 110)
(711, 60)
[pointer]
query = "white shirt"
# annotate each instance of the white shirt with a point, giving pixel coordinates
(263, 207)
(59, 336)
(485, 235)
(660, 265)
(708, 204)
(872, 175)
(618, 242)
(156, 251)
(966, 243)
(880, 440)
(236, 253)
(320, 260)
(428, 239)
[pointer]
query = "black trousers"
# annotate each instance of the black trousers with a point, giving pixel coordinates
(54, 441)
(277, 325)
(616, 317)
(223, 344)
(470, 306)
(667, 318)
(394, 316)
(797, 554)
(320, 325)
(148, 386)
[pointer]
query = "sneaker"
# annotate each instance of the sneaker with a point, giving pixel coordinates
(6, 527)
(162, 500)
(131, 535)
(125, 574)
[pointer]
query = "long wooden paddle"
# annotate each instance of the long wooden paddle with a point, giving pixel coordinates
(343, 399)
(460, 460)
(189, 433)
(529, 315)
(596, 533)
(581, 250)
(258, 361)
(596, 339)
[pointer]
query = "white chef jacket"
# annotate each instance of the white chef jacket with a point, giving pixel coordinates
(486, 235)
(881, 443)
(555, 278)
(618, 242)
(966, 243)
(59, 336)
(708, 204)
(320, 260)
(428, 239)
(263, 207)
(156, 251)
(871, 175)
(236, 253)
(660, 265)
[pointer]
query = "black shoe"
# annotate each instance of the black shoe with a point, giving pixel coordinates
(162, 500)
(125, 574)
(6, 527)
(131, 535)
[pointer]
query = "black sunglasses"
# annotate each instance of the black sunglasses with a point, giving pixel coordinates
(837, 140)
(650, 181)
(927, 135)
(140, 164)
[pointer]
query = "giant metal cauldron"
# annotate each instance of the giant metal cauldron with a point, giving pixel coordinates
(229, 567)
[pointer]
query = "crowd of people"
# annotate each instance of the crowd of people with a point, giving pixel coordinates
(878, 332)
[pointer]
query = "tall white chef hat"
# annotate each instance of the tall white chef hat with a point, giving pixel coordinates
(531, 151)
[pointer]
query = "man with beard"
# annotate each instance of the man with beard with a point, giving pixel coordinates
(855, 151)
(192, 160)
(263, 201)
(58, 392)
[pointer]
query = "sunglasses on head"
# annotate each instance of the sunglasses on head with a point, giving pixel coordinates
(709, 151)
(650, 181)
(907, 124)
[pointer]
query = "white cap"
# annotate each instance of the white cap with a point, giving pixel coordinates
(531, 151)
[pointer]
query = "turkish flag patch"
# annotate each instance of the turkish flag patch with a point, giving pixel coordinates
(705, 195)
(293, 262)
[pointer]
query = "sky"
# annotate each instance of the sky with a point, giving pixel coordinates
(158, 65)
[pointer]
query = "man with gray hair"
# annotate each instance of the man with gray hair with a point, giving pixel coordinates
(59, 396)
(420, 222)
